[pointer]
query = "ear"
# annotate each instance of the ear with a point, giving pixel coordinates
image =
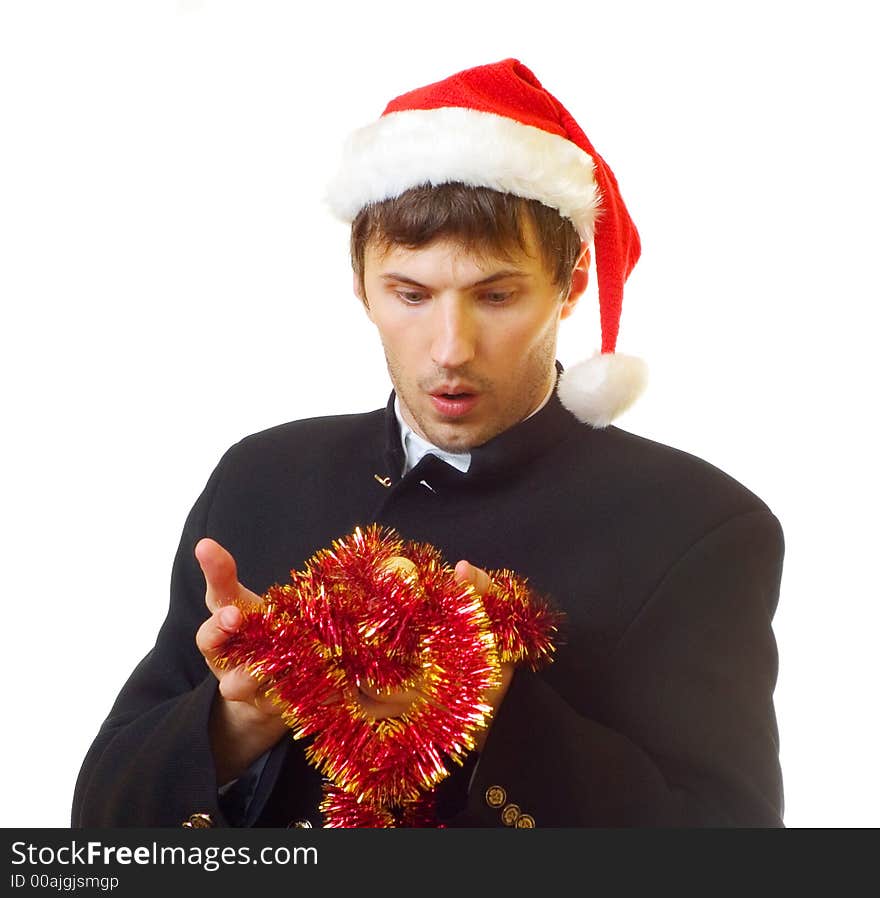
(580, 277)
(360, 293)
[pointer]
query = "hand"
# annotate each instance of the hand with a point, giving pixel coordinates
(393, 704)
(465, 572)
(244, 722)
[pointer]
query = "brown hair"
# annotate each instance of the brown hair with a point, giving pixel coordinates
(482, 219)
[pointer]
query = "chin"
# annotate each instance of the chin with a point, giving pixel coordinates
(450, 444)
(463, 436)
(463, 441)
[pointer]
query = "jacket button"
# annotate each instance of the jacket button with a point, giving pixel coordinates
(198, 821)
(495, 796)
(510, 815)
(525, 821)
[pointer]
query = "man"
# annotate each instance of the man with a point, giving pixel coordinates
(473, 204)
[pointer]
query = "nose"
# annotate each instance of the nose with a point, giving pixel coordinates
(455, 334)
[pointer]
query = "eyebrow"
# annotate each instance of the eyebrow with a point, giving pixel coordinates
(498, 276)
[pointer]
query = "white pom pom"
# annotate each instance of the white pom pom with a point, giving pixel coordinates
(599, 389)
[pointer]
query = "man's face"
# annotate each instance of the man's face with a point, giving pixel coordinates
(470, 341)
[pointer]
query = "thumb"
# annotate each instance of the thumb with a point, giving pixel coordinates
(465, 572)
(221, 575)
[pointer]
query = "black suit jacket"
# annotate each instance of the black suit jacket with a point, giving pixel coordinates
(658, 709)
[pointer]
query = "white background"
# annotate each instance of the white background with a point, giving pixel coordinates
(171, 281)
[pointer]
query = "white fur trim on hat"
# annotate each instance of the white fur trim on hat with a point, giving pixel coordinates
(600, 388)
(435, 146)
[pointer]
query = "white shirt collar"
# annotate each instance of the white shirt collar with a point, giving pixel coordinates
(415, 448)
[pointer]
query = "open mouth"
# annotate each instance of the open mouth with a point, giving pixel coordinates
(454, 405)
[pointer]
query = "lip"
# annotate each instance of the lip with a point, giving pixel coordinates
(452, 388)
(454, 408)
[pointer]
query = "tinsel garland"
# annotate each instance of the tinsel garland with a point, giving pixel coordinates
(377, 610)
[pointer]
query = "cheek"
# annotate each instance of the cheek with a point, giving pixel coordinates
(518, 340)
(407, 336)
(402, 343)
(392, 330)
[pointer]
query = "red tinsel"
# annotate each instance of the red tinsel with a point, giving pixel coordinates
(380, 611)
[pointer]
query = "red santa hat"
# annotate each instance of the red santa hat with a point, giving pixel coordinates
(496, 126)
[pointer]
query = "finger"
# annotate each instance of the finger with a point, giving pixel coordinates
(216, 630)
(339, 695)
(221, 576)
(465, 572)
(237, 685)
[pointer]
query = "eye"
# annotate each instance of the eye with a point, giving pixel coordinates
(497, 297)
(411, 297)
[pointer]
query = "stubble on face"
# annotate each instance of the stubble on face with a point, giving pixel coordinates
(511, 365)
(533, 375)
